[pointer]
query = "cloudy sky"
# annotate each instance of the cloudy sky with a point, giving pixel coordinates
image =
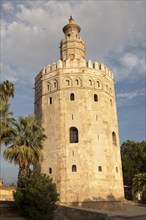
(114, 33)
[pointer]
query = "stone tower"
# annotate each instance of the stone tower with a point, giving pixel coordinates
(75, 100)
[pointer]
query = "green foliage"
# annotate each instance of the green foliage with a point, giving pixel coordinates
(139, 185)
(26, 144)
(6, 120)
(6, 90)
(133, 160)
(36, 197)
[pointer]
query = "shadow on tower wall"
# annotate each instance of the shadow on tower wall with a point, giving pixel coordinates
(109, 204)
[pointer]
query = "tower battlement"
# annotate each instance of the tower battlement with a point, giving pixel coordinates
(99, 67)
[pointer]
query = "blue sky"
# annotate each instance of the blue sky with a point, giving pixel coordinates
(114, 33)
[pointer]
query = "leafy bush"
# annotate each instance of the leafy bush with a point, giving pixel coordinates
(36, 197)
(139, 186)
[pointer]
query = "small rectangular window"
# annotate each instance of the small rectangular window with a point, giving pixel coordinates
(50, 100)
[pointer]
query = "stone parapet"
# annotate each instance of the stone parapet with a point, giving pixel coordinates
(75, 64)
(6, 193)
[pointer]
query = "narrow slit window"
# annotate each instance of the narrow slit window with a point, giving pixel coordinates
(111, 102)
(114, 138)
(50, 170)
(50, 100)
(117, 169)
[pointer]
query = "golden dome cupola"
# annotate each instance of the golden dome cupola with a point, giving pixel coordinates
(72, 46)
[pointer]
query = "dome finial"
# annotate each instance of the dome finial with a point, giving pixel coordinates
(71, 20)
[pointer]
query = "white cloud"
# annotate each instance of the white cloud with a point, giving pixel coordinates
(7, 6)
(132, 94)
(31, 38)
(130, 60)
(8, 73)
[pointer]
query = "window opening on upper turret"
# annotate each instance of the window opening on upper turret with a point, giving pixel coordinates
(117, 169)
(72, 97)
(55, 85)
(48, 87)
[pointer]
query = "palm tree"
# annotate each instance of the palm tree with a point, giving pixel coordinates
(26, 145)
(6, 121)
(6, 124)
(139, 185)
(6, 90)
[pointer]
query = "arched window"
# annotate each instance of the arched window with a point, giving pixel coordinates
(73, 135)
(48, 87)
(95, 98)
(114, 139)
(77, 82)
(98, 83)
(55, 85)
(67, 82)
(90, 82)
(72, 97)
(50, 170)
(100, 168)
(74, 168)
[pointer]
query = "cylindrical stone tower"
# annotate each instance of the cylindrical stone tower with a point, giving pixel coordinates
(75, 100)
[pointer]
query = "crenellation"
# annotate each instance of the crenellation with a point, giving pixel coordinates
(96, 65)
(74, 63)
(59, 64)
(48, 68)
(82, 63)
(102, 67)
(43, 71)
(89, 64)
(54, 66)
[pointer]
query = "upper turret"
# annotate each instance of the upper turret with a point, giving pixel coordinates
(71, 29)
(72, 47)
